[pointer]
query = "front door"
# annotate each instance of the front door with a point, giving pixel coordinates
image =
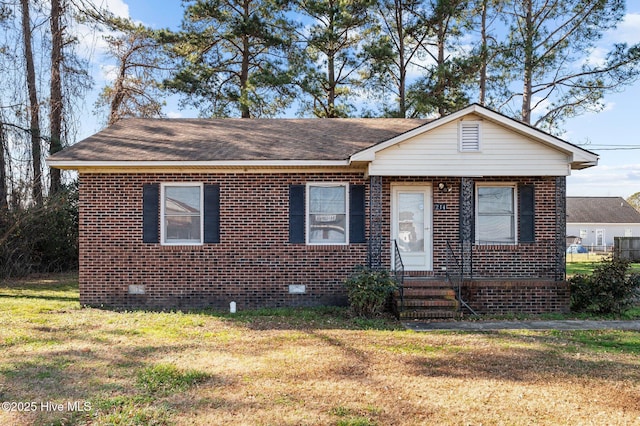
(411, 223)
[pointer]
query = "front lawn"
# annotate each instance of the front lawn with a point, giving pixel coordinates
(65, 365)
(584, 263)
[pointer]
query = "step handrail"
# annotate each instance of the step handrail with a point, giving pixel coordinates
(398, 272)
(456, 277)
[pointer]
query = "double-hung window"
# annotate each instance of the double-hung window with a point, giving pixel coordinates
(327, 213)
(496, 215)
(182, 213)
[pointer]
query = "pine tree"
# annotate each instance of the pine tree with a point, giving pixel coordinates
(332, 53)
(547, 53)
(232, 58)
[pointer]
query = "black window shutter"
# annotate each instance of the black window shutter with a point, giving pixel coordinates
(150, 212)
(356, 214)
(526, 211)
(212, 213)
(296, 213)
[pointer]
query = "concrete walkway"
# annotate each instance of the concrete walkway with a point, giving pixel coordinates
(523, 325)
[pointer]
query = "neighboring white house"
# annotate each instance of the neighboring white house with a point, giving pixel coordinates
(596, 221)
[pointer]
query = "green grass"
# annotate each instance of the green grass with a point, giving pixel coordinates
(586, 266)
(296, 366)
(166, 379)
(315, 317)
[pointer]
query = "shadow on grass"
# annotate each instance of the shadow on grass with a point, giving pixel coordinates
(40, 297)
(549, 357)
(322, 317)
(302, 318)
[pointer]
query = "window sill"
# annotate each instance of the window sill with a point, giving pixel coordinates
(496, 247)
(181, 247)
(321, 247)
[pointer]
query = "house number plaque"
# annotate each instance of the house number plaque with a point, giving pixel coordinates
(439, 206)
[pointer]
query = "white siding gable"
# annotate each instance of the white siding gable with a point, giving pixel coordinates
(440, 152)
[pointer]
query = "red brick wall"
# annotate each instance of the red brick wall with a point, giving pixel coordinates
(254, 263)
(524, 260)
(513, 295)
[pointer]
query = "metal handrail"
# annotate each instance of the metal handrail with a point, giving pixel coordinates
(398, 272)
(456, 277)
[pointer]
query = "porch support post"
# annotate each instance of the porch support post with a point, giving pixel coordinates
(466, 225)
(374, 257)
(561, 228)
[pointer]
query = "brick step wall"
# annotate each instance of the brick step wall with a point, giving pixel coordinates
(426, 298)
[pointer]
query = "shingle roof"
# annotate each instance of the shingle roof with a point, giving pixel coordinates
(600, 210)
(137, 139)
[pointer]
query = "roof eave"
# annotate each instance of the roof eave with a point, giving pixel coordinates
(80, 164)
(581, 165)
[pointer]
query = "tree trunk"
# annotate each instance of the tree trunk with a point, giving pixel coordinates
(55, 118)
(331, 87)
(4, 206)
(331, 71)
(528, 62)
(483, 54)
(442, 70)
(118, 94)
(244, 80)
(244, 69)
(402, 71)
(34, 108)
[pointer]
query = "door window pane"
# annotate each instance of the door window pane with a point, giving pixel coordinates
(410, 222)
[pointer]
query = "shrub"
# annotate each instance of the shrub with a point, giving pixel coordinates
(368, 291)
(42, 237)
(610, 289)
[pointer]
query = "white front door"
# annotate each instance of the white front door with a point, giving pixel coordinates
(411, 223)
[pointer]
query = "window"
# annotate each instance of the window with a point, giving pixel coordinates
(181, 214)
(300, 221)
(327, 214)
(496, 214)
(469, 136)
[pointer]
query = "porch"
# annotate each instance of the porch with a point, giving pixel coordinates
(423, 230)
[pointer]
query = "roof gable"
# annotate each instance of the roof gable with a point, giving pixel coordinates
(578, 158)
(600, 210)
(498, 151)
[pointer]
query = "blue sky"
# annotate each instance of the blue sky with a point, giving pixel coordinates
(618, 172)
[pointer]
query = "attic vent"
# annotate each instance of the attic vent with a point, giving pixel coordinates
(469, 136)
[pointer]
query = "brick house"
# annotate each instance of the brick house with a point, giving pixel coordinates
(180, 213)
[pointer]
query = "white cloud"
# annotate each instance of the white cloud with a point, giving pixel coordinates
(628, 31)
(108, 72)
(92, 45)
(597, 56)
(174, 114)
(619, 181)
(117, 7)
